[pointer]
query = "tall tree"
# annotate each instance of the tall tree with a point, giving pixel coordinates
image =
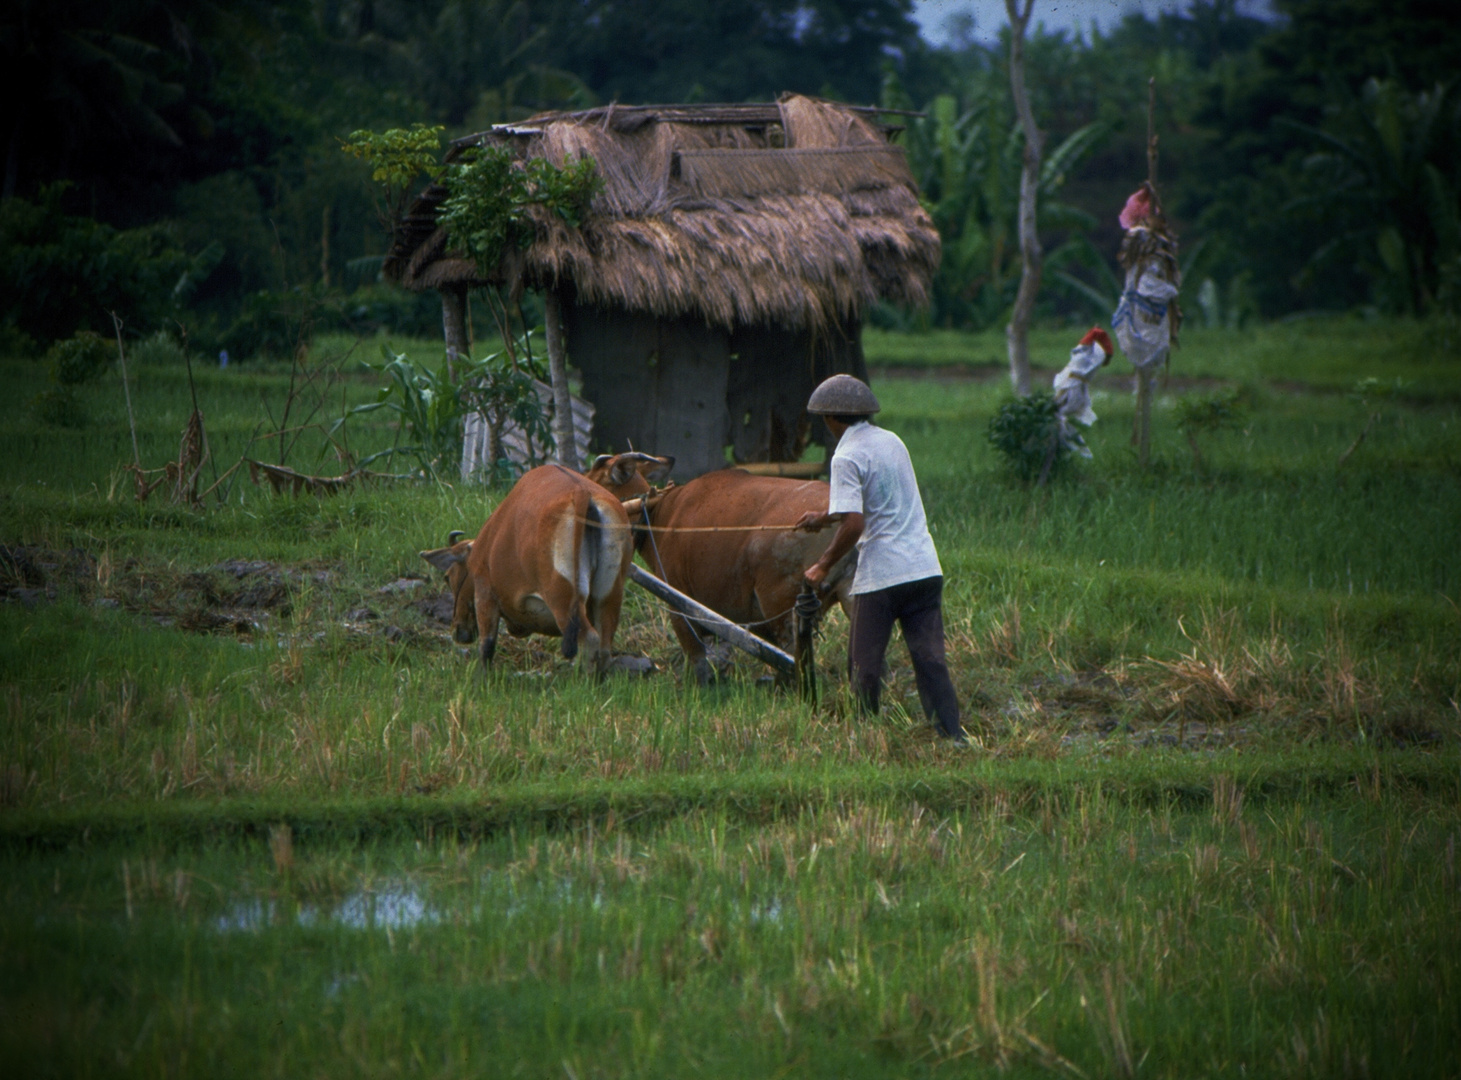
(1017, 333)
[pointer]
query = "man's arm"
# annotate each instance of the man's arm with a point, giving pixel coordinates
(849, 528)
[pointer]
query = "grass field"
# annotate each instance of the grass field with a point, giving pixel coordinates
(258, 815)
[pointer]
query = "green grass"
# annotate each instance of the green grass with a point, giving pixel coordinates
(1066, 930)
(1329, 353)
(599, 861)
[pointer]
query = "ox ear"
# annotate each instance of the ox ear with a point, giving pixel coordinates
(656, 469)
(624, 470)
(445, 558)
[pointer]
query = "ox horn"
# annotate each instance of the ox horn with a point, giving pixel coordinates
(601, 461)
(453, 536)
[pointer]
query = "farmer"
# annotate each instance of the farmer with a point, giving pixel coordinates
(875, 504)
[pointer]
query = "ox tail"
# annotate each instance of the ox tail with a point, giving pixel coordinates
(584, 563)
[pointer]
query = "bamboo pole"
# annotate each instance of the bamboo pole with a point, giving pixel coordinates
(1146, 378)
(126, 390)
(563, 438)
(718, 625)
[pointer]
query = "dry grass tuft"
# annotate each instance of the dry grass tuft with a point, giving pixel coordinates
(1227, 800)
(281, 846)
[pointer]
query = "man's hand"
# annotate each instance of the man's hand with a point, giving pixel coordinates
(812, 521)
(849, 528)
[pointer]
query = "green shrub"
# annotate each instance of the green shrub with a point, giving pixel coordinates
(79, 358)
(1199, 415)
(59, 406)
(277, 322)
(159, 350)
(59, 273)
(1026, 432)
(379, 307)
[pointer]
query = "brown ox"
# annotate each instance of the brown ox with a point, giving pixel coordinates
(552, 557)
(748, 573)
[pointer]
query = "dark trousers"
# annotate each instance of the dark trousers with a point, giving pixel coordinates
(917, 606)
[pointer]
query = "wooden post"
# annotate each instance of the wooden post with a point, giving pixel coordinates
(718, 625)
(1146, 377)
(1145, 380)
(1151, 133)
(454, 326)
(1017, 333)
(126, 390)
(563, 438)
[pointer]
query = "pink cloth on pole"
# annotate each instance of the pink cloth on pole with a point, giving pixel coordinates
(1137, 207)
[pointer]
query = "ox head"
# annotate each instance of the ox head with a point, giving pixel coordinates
(452, 561)
(627, 475)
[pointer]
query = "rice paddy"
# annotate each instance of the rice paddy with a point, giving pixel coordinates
(259, 815)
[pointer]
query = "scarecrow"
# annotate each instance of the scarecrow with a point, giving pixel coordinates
(1147, 318)
(1073, 391)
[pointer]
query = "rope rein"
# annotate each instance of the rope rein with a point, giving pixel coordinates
(697, 528)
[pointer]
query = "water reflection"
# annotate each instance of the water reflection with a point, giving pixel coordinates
(394, 906)
(402, 905)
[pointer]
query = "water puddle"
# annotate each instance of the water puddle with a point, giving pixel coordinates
(402, 905)
(395, 906)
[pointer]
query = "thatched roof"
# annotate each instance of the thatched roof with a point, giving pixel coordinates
(799, 213)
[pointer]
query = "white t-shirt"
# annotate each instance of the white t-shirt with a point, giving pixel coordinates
(872, 475)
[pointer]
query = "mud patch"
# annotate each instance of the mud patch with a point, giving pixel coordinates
(31, 576)
(437, 610)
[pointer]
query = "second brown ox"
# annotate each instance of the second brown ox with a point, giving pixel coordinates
(551, 558)
(725, 540)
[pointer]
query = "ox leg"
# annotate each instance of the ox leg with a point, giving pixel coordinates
(489, 614)
(571, 615)
(604, 617)
(696, 662)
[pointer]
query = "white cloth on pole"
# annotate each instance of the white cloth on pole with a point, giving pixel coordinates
(1073, 395)
(1143, 319)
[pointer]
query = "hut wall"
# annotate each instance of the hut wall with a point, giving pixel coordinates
(679, 387)
(659, 385)
(784, 368)
(773, 371)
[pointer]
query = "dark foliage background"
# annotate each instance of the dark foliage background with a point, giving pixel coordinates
(179, 159)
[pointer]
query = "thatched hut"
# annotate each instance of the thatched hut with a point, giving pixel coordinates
(724, 269)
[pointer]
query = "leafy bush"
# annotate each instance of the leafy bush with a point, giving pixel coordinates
(159, 350)
(60, 273)
(373, 308)
(396, 158)
(80, 358)
(1026, 432)
(505, 395)
(487, 211)
(1198, 415)
(277, 322)
(59, 407)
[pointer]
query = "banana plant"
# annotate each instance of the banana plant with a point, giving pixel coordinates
(1387, 171)
(967, 163)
